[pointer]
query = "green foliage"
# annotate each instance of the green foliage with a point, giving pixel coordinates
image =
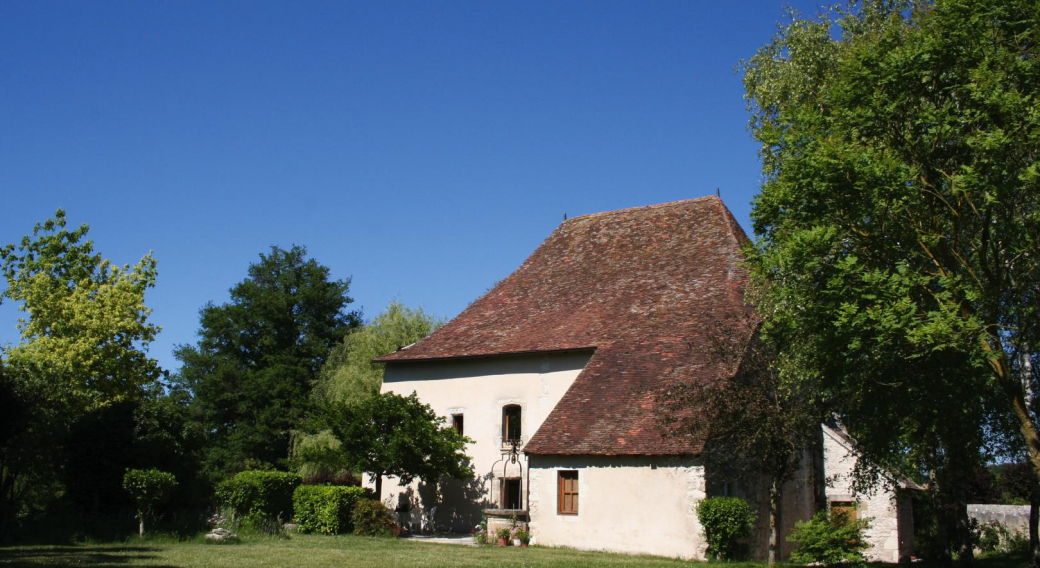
(995, 537)
(148, 488)
(727, 522)
(350, 374)
(327, 509)
(391, 435)
(84, 336)
(899, 221)
(258, 356)
(372, 518)
(133, 434)
(86, 331)
(830, 540)
(260, 494)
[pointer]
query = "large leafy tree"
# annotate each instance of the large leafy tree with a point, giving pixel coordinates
(252, 371)
(83, 346)
(388, 435)
(86, 330)
(899, 220)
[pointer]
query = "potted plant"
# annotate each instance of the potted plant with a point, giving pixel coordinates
(503, 537)
(522, 537)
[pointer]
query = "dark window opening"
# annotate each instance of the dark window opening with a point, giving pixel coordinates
(568, 497)
(456, 423)
(510, 423)
(510, 489)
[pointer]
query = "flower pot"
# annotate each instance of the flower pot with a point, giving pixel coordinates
(516, 542)
(503, 541)
(523, 544)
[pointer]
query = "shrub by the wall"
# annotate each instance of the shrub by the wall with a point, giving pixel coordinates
(327, 509)
(830, 540)
(372, 518)
(727, 522)
(260, 494)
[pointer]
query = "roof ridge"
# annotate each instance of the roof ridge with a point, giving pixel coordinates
(641, 207)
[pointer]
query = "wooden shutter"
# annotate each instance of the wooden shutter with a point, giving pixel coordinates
(568, 489)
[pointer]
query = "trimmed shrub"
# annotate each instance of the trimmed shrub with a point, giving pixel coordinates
(372, 518)
(327, 509)
(148, 488)
(829, 540)
(260, 495)
(727, 522)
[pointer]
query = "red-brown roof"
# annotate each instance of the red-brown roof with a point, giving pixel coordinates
(640, 286)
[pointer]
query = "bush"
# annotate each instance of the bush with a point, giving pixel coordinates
(727, 521)
(371, 518)
(995, 536)
(829, 540)
(260, 495)
(327, 509)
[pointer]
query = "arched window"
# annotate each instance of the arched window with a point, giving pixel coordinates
(511, 423)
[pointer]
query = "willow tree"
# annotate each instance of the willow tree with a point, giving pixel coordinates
(899, 219)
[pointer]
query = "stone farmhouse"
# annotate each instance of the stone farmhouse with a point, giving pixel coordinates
(556, 375)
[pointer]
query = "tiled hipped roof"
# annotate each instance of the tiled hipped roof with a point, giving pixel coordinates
(640, 286)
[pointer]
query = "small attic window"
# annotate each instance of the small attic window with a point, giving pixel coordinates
(511, 423)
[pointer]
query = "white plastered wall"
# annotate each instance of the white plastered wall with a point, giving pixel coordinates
(637, 504)
(883, 507)
(478, 389)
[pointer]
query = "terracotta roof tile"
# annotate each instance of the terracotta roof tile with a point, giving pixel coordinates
(640, 286)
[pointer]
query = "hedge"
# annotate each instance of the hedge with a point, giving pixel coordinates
(327, 509)
(260, 494)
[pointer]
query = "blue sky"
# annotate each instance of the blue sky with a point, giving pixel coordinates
(423, 149)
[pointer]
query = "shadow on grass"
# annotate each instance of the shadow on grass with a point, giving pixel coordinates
(92, 557)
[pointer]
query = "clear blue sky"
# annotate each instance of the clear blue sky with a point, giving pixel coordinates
(423, 149)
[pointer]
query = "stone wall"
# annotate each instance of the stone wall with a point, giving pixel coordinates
(1014, 517)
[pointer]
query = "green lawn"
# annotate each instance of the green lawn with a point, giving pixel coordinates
(341, 552)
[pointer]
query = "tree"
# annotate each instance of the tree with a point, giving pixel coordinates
(350, 374)
(899, 219)
(393, 436)
(83, 346)
(87, 328)
(252, 371)
(753, 422)
(148, 488)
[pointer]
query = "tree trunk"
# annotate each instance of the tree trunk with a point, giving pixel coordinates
(1013, 387)
(140, 528)
(379, 486)
(774, 521)
(965, 550)
(941, 520)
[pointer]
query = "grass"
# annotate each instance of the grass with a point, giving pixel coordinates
(345, 552)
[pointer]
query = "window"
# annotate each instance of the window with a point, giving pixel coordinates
(510, 423)
(847, 508)
(456, 423)
(510, 490)
(568, 501)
